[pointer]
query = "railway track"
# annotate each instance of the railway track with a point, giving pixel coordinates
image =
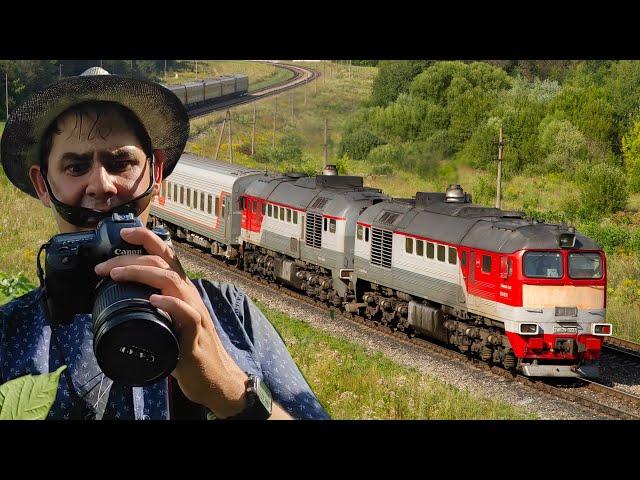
(300, 77)
(589, 395)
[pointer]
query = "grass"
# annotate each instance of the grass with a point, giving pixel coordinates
(260, 74)
(336, 98)
(354, 384)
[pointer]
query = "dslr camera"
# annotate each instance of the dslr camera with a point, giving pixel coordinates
(132, 340)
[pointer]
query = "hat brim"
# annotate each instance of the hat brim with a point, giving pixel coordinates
(158, 109)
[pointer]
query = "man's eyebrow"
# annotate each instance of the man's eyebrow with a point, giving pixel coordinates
(124, 152)
(71, 156)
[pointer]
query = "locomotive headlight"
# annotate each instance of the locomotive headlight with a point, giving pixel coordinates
(529, 328)
(567, 240)
(602, 329)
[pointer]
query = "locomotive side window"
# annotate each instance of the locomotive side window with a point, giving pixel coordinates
(295, 217)
(543, 264)
(585, 265)
(269, 210)
(359, 232)
(209, 201)
(408, 245)
(289, 215)
(486, 264)
(366, 234)
(202, 201)
(181, 194)
(282, 214)
(217, 206)
(441, 253)
(453, 256)
(430, 250)
(332, 226)
(420, 247)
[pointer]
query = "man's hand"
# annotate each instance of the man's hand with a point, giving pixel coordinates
(205, 371)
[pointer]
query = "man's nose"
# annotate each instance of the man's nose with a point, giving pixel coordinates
(101, 184)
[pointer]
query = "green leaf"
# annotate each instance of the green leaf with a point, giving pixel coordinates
(29, 397)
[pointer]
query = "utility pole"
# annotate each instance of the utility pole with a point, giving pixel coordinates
(60, 72)
(275, 114)
(324, 71)
(100, 63)
(253, 131)
(292, 114)
(349, 69)
(499, 186)
(196, 69)
(131, 68)
(165, 69)
(224, 122)
(315, 82)
(305, 93)
(230, 138)
(325, 142)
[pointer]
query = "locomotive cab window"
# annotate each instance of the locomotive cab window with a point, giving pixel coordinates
(585, 265)
(486, 264)
(420, 247)
(453, 256)
(408, 245)
(441, 253)
(543, 264)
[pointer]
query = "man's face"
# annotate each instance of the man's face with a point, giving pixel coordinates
(96, 162)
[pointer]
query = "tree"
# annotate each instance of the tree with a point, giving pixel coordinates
(394, 78)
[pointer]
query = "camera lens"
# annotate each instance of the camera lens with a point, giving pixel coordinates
(133, 341)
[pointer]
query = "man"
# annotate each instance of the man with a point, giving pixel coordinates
(96, 143)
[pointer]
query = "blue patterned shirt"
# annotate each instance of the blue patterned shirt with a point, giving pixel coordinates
(29, 344)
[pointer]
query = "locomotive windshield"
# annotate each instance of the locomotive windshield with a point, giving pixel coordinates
(543, 264)
(585, 265)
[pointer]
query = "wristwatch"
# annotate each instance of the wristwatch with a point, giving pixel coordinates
(259, 401)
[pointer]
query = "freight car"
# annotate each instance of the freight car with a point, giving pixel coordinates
(209, 90)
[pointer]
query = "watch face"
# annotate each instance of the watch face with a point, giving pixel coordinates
(263, 393)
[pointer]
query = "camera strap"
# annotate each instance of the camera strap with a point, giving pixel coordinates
(39, 265)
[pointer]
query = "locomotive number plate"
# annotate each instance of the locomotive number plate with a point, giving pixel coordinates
(565, 329)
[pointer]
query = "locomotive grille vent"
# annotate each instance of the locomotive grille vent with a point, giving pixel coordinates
(388, 217)
(381, 242)
(319, 202)
(313, 230)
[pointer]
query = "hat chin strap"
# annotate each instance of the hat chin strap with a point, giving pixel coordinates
(88, 217)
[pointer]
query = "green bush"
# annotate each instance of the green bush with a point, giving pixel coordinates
(13, 286)
(631, 155)
(604, 192)
(289, 150)
(410, 156)
(358, 144)
(394, 78)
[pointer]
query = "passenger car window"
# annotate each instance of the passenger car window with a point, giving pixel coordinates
(486, 264)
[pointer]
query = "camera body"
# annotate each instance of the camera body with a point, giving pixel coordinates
(70, 279)
(133, 340)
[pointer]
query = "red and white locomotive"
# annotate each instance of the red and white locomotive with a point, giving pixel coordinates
(524, 294)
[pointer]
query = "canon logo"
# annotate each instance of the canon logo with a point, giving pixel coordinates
(120, 251)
